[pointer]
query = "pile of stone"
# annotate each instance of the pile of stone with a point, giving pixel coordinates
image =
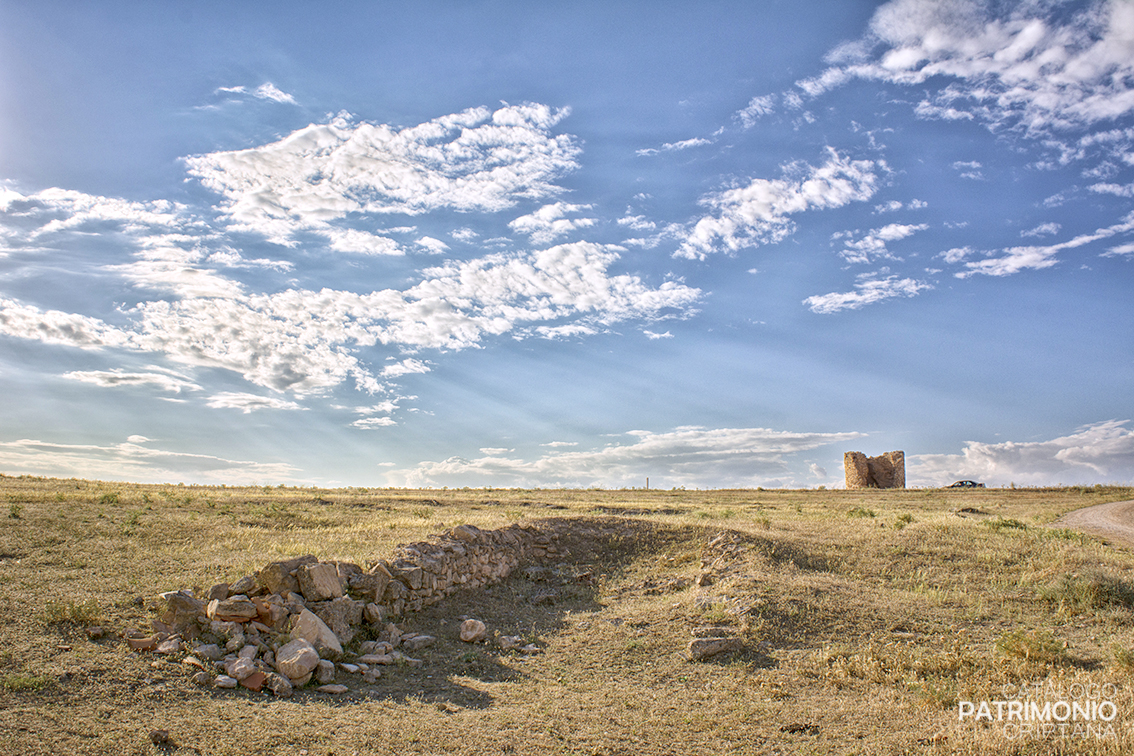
(289, 623)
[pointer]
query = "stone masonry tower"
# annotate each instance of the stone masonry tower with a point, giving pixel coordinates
(884, 471)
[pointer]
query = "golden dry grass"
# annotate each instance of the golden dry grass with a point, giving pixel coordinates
(867, 616)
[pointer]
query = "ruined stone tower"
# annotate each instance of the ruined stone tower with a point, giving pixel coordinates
(884, 471)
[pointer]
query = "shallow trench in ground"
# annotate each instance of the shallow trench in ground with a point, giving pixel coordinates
(619, 589)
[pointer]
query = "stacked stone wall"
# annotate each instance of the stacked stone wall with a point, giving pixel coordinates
(344, 596)
(287, 624)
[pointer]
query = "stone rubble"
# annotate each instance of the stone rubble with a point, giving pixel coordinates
(294, 621)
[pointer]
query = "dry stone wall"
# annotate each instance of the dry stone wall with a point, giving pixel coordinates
(884, 471)
(321, 606)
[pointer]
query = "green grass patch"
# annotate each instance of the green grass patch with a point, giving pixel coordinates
(21, 683)
(861, 512)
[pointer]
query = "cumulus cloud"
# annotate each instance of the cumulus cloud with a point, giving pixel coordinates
(433, 246)
(58, 210)
(301, 341)
(759, 213)
(478, 160)
(405, 367)
(361, 242)
(134, 462)
(1097, 453)
(1037, 66)
(637, 222)
(57, 327)
(170, 245)
(868, 290)
(550, 222)
(686, 456)
(1118, 190)
(895, 205)
(872, 246)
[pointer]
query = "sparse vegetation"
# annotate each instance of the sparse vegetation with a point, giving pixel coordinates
(846, 624)
(1033, 645)
(72, 612)
(22, 683)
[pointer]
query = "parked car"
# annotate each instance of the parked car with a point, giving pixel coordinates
(967, 484)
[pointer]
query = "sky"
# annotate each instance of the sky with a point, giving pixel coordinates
(567, 244)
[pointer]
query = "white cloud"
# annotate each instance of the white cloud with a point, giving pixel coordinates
(1098, 453)
(299, 340)
(385, 407)
(78, 210)
(231, 258)
(956, 255)
(872, 246)
(269, 91)
(117, 378)
(655, 336)
(266, 91)
(673, 146)
(1037, 66)
(56, 327)
(474, 160)
(551, 221)
(689, 456)
(133, 462)
(1119, 190)
(433, 246)
(1121, 249)
(757, 108)
(969, 169)
(369, 423)
(868, 290)
(362, 242)
(1015, 259)
(758, 213)
(637, 222)
(1044, 229)
(686, 144)
(405, 367)
(248, 403)
(464, 234)
(168, 243)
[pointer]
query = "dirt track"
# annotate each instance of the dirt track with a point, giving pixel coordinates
(1113, 521)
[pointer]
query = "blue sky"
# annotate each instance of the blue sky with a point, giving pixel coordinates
(567, 244)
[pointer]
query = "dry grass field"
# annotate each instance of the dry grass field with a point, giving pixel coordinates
(868, 618)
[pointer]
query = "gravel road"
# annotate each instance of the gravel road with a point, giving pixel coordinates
(1113, 521)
